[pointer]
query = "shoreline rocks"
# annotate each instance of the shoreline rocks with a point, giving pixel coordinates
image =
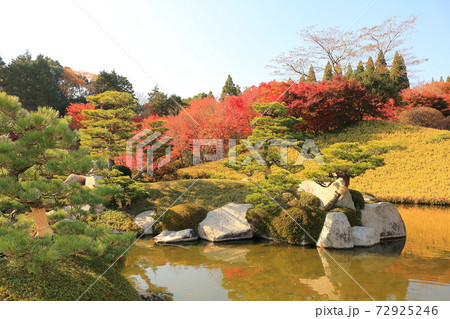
(169, 237)
(365, 236)
(145, 220)
(336, 232)
(385, 219)
(326, 194)
(226, 223)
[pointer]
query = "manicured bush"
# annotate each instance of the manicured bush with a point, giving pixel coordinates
(260, 221)
(423, 116)
(288, 230)
(357, 198)
(305, 200)
(183, 217)
(116, 220)
(353, 216)
(125, 170)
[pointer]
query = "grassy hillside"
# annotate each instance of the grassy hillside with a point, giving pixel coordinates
(418, 174)
(209, 193)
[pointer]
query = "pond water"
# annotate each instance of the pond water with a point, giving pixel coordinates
(415, 268)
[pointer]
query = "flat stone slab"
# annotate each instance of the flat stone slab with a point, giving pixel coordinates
(92, 180)
(384, 218)
(226, 223)
(326, 194)
(145, 220)
(169, 237)
(336, 232)
(365, 236)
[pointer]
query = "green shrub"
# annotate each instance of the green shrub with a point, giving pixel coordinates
(353, 216)
(218, 176)
(60, 214)
(115, 220)
(125, 170)
(288, 230)
(305, 200)
(183, 217)
(261, 221)
(357, 198)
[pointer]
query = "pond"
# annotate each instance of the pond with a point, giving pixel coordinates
(415, 268)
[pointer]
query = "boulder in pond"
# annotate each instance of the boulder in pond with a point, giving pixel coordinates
(326, 194)
(169, 237)
(226, 223)
(336, 232)
(384, 218)
(365, 236)
(145, 220)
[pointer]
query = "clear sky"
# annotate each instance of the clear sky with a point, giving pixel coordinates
(191, 46)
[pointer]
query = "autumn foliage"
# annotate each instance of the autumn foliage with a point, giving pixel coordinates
(435, 95)
(74, 110)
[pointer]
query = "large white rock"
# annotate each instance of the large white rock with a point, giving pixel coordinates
(226, 223)
(384, 218)
(145, 220)
(74, 178)
(92, 180)
(336, 232)
(168, 237)
(326, 194)
(365, 236)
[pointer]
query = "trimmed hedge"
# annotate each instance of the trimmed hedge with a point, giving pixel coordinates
(288, 230)
(183, 217)
(260, 221)
(357, 198)
(306, 200)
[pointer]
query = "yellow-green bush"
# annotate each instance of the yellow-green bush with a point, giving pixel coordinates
(183, 217)
(115, 220)
(353, 216)
(357, 198)
(286, 225)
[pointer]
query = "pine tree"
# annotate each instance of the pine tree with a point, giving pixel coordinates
(229, 89)
(110, 125)
(302, 78)
(35, 148)
(381, 65)
(398, 73)
(328, 73)
(311, 75)
(441, 79)
(349, 72)
(370, 67)
(112, 81)
(448, 79)
(359, 71)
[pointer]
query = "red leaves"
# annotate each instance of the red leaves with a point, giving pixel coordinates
(435, 95)
(74, 110)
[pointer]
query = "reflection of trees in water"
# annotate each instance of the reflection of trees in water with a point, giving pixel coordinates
(270, 271)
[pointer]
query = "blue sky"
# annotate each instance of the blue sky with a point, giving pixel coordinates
(191, 46)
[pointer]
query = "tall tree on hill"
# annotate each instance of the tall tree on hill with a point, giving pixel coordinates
(328, 73)
(35, 82)
(110, 125)
(229, 89)
(302, 78)
(398, 73)
(448, 79)
(161, 104)
(111, 81)
(311, 75)
(349, 72)
(381, 67)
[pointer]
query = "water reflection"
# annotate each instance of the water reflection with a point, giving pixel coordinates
(250, 270)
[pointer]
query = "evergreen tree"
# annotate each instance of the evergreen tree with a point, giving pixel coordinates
(111, 81)
(359, 71)
(311, 75)
(328, 73)
(448, 79)
(211, 94)
(441, 79)
(162, 104)
(370, 67)
(42, 149)
(398, 73)
(381, 65)
(110, 125)
(35, 82)
(2, 66)
(229, 89)
(302, 78)
(349, 72)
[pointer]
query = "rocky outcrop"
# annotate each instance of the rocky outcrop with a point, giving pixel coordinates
(92, 180)
(365, 236)
(226, 223)
(385, 219)
(326, 194)
(336, 232)
(145, 220)
(73, 178)
(169, 237)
